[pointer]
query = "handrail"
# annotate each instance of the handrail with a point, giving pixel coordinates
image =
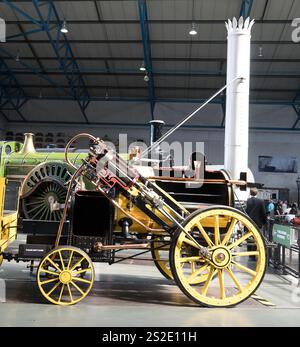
(178, 125)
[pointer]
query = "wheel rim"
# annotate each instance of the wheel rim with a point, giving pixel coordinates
(160, 249)
(65, 276)
(232, 278)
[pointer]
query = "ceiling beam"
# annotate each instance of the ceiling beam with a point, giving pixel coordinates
(143, 16)
(246, 8)
(60, 46)
(179, 59)
(158, 72)
(12, 95)
(156, 21)
(153, 42)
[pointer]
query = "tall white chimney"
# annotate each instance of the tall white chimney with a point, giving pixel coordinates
(237, 96)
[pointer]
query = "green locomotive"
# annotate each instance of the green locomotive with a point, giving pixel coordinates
(41, 173)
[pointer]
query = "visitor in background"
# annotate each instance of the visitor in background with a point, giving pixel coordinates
(284, 207)
(256, 208)
(257, 212)
(271, 209)
(278, 208)
(294, 209)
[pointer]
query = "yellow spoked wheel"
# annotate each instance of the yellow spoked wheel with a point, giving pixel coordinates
(65, 275)
(237, 251)
(160, 250)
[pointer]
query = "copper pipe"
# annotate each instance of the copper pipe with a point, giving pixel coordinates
(91, 137)
(100, 247)
(192, 180)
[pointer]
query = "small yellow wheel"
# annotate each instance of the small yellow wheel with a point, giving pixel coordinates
(1, 259)
(65, 275)
(237, 257)
(160, 250)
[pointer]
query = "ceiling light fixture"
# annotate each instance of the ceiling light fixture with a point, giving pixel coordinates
(193, 30)
(64, 28)
(146, 78)
(143, 67)
(260, 51)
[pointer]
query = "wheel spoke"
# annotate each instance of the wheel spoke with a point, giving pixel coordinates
(79, 261)
(189, 259)
(49, 281)
(76, 286)
(83, 270)
(234, 279)
(61, 292)
(49, 272)
(190, 242)
(61, 260)
(229, 231)
(208, 281)
(217, 230)
(196, 273)
(204, 234)
(221, 281)
(70, 260)
(240, 240)
(81, 280)
(70, 292)
(53, 289)
(53, 264)
(244, 268)
(244, 254)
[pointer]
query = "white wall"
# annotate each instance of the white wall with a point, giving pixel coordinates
(122, 114)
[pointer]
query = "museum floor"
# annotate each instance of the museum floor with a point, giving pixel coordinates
(137, 295)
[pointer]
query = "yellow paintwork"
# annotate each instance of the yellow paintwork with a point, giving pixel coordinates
(138, 214)
(65, 276)
(225, 260)
(8, 220)
(131, 209)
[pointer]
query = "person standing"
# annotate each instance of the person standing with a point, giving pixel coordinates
(271, 209)
(257, 212)
(256, 209)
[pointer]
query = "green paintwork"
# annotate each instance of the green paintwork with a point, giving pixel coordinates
(16, 164)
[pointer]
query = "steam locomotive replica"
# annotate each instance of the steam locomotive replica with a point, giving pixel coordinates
(80, 207)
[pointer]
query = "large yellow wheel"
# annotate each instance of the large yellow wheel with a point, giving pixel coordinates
(237, 257)
(160, 250)
(65, 275)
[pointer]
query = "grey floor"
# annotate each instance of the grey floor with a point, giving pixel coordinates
(137, 295)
